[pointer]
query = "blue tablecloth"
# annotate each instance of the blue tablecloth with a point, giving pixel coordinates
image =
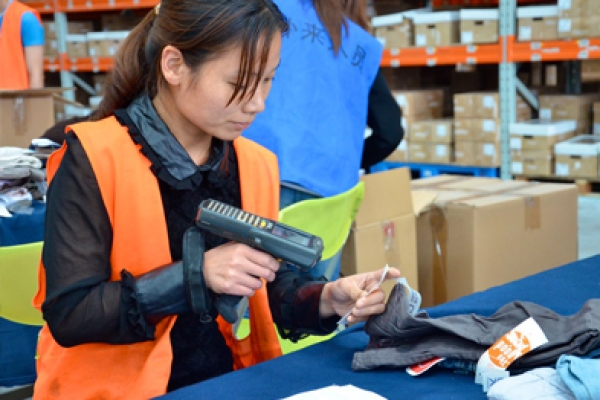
(18, 342)
(563, 290)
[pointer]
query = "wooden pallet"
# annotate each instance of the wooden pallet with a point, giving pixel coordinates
(584, 185)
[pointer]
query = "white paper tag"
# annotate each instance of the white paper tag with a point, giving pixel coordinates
(564, 25)
(466, 37)
(381, 40)
(489, 377)
(441, 130)
(546, 113)
(440, 150)
(489, 125)
(517, 167)
(420, 40)
(489, 149)
(564, 4)
(562, 169)
(401, 100)
(516, 143)
(596, 129)
(489, 102)
(524, 32)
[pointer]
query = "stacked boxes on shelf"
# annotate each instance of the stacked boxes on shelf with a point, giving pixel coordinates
(431, 141)
(537, 23)
(479, 26)
(576, 108)
(578, 19)
(436, 29)
(477, 127)
(417, 105)
(578, 157)
(532, 145)
(394, 31)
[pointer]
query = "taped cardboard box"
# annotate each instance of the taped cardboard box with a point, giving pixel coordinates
(384, 229)
(479, 26)
(483, 232)
(26, 114)
(537, 23)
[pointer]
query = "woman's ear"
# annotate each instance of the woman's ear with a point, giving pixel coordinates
(172, 65)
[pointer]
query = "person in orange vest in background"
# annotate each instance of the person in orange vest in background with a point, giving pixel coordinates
(21, 47)
(129, 312)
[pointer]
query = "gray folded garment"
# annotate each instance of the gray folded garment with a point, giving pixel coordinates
(398, 339)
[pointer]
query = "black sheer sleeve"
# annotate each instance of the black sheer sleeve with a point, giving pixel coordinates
(294, 302)
(81, 305)
(384, 118)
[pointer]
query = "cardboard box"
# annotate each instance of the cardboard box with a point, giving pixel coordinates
(479, 26)
(485, 105)
(418, 152)
(578, 157)
(596, 112)
(579, 27)
(532, 165)
(577, 8)
(538, 137)
(400, 154)
(105, 44)
(483, 232)
(420, 104)
(77, 46)
(479, 154)
(569, 107)
(477, 129)
(436, 29)
(537, 23)
(432, 131)
(25, 115)
(384, 228)
(394, 30)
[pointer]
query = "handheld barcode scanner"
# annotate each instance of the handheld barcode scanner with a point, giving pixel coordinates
(283, 242)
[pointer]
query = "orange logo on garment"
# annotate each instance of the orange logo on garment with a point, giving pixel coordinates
(508, 348)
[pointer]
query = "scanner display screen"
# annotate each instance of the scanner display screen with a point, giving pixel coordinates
(290, 235)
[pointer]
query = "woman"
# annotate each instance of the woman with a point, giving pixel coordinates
(128, 314)
(328, 89)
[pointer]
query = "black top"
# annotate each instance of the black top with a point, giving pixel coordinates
(83, 306)
(384, 118)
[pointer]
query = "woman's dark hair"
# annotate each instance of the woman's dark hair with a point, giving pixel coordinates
(201, 30)
(333, 14)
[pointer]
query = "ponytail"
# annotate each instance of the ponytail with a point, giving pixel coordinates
(131, 71)
(333, 14)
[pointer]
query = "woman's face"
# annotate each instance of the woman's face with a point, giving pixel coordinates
(204, 94)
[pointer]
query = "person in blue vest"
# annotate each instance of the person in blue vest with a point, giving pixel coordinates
(328, 89)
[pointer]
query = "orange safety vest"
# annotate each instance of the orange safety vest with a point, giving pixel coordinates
(13, 67)
(133, 201)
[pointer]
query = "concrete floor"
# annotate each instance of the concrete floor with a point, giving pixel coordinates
(589, 225)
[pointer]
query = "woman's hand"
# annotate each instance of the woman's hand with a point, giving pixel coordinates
(237, 269)
(349, 294)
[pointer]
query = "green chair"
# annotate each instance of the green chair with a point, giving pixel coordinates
(331, 219)
(18, 283)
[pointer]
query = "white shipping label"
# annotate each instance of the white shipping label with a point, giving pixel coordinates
(517, 167)
(546, 113)
(489, 125)
(564, 4)
(564, 25)
(401, 100)
(421, 40)
(440, 150)
(489, 149)
(577, 165)
(596, 129)
(381, 40)
(515, 143)
(562, 169)
(489, 102)
(466, 37)
(441, 130)
(524, 32)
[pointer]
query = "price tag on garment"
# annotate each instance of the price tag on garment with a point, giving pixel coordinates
(344, 321)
